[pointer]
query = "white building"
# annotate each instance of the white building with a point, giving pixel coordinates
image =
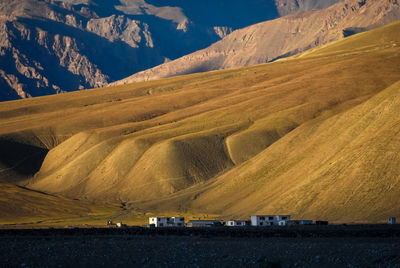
(233, 223)
(167, 221)
(269, 220)
(120, 225)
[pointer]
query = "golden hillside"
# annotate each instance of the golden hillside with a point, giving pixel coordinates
(24, 208)
(314, 136)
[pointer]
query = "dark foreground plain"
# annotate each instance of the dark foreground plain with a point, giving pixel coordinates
(318, 246)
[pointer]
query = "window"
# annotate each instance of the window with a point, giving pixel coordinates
(262, 218)
(284, 218)
(161, 224)
(261, 224)
(271, 218)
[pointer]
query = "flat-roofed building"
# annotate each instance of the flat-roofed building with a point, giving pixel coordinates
(269, 220)
(167, 221)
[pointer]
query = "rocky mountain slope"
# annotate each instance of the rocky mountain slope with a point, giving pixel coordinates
(286, 7)
(271, 40)
(54, 46)
(315, 136)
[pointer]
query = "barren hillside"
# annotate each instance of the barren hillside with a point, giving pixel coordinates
(314, 136)
(268, 41)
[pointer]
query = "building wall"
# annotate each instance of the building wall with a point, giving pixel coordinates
(203, 223)
(167, 221)
(268, 220)
(179, 221)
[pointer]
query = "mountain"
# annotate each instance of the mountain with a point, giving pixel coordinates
(286, 36)
(54, 46)
(314, 135)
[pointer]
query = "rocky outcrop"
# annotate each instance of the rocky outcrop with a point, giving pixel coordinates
(222, 31)
(120, 28)
(286, 36)
(50, 47)
(38, 62)
(286, 7)
(175, 14)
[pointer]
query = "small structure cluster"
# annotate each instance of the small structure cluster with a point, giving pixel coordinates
(257, 220)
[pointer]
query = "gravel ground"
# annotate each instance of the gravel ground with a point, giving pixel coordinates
(195, 250)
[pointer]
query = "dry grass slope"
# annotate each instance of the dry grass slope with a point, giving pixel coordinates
(24, 207)
(314, 136)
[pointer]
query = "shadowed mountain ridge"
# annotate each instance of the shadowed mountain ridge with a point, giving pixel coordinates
(279, 38)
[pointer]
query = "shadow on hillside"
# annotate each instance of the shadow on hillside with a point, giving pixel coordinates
(19, 161)
(353, 30)
(231, 13)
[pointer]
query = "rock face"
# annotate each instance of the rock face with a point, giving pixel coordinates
(48, 47)
(53, 46)
(286, 36)
(286, 7)
(120, 28)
